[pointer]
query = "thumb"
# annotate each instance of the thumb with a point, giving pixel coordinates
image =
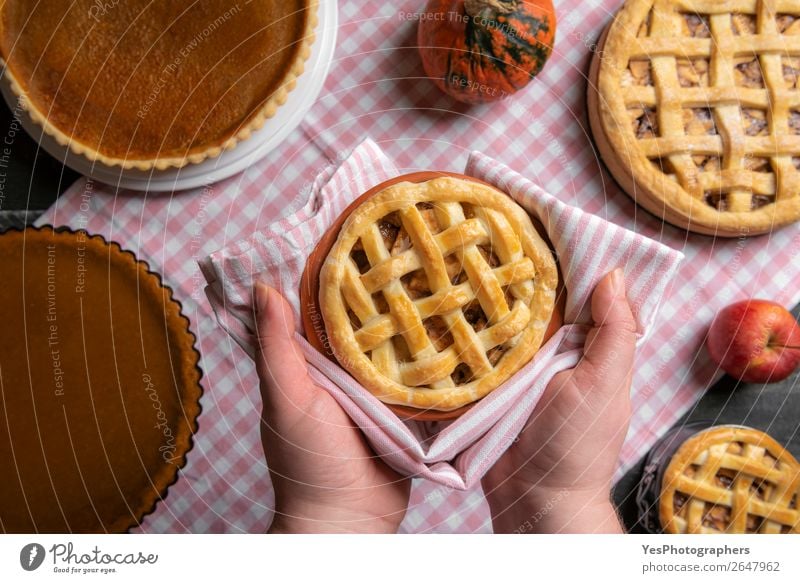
(286, 388)
(611, 344)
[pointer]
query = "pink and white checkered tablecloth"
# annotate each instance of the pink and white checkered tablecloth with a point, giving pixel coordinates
(377, 88)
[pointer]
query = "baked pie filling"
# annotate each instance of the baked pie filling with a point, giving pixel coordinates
(445, 288)
(416, 286)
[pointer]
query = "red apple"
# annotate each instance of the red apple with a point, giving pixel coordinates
(756, 341)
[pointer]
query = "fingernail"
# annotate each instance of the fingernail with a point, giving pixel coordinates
(618, 281)
(261, 293)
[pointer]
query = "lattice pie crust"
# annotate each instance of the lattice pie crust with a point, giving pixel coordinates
(697, 111)
(435, 293)
(733, 480)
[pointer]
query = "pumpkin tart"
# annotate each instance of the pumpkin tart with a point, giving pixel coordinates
(142, 84)
(99, 385)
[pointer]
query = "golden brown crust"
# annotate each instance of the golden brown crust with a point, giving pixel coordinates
(158, 154)
(119, 409)
(731, 479)
(423, 379)
(754, 201)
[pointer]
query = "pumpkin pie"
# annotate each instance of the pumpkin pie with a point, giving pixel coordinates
(99, 385)
(436, 292)
(142, 84)
(694, 108)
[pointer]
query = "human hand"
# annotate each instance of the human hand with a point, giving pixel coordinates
(325, 476)
(557, 476)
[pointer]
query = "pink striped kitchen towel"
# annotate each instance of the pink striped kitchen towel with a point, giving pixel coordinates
(459, 452)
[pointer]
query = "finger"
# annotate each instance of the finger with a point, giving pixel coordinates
(286, 387)
(611, 344)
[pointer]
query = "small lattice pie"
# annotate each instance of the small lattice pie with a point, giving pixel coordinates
(732, 480)
(695, 109)
(435, 293)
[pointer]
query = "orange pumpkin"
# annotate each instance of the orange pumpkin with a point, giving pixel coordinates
(483, 50)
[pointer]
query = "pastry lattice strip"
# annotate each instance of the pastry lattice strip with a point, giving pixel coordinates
(774, 510)
(731, 144)
(462, 237)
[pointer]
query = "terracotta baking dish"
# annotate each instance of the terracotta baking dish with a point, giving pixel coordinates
(309, 290)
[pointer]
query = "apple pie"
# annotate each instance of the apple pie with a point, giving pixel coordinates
(436, 292)
(731, 479)
(695, 110)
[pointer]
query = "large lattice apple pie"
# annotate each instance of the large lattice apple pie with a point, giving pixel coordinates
(695, 109)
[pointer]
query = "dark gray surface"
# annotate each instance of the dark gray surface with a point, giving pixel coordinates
(774, 408)
(33, 180)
